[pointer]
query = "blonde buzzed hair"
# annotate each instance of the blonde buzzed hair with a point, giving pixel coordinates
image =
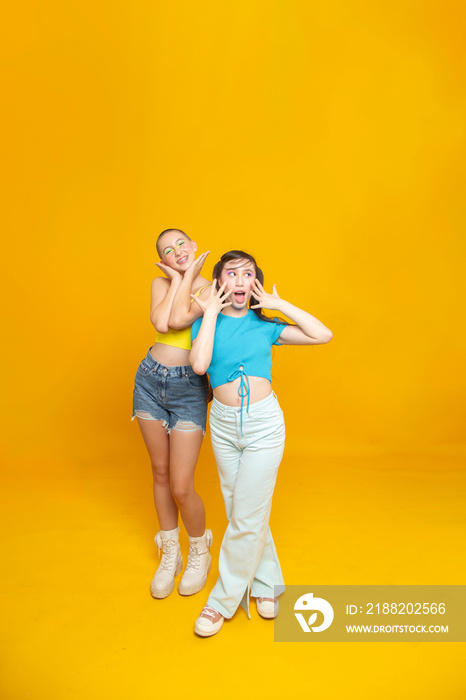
(169, 230)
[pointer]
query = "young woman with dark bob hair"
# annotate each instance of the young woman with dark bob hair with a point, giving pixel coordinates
(232, 343)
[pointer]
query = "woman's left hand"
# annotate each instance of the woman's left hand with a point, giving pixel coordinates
(195, 268)
(266, 301)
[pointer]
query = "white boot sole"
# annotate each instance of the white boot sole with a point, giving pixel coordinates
(165, 592)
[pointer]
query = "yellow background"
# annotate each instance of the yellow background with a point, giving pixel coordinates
(327, 138)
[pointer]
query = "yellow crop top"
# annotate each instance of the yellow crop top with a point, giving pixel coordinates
(181, 338)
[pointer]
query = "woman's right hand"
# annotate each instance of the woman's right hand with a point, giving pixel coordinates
(215, 302)
(169, 272)
(201, 350)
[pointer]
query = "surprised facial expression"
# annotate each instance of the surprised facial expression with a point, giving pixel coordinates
(239, 276)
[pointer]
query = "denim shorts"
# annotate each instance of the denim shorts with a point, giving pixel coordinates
(175, 395)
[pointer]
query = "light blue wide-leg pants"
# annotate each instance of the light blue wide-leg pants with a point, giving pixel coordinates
(248, 448)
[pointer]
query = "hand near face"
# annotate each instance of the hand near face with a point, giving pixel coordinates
(195, 268)
(265, 300)
(215, 302)
(168, 271)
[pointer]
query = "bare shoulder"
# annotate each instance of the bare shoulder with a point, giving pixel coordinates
(159, 283)
(203, 288)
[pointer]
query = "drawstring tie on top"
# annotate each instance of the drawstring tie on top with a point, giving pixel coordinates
(243, 389)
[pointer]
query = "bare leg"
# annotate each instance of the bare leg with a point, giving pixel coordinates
(184, 451)
(157, 442)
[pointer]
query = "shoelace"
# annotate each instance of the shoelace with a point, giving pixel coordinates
(194, 559)
(208, 612)
(168, 553)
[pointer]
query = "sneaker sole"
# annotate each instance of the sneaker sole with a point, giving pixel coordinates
(202, 632)
(268, 616)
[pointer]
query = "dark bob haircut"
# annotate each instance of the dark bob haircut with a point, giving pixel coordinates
(241, 255)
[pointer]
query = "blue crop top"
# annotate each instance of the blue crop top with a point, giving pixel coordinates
(241, 345)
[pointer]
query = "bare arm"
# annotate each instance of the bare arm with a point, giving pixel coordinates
(161, 299)
(201, 351)
(308, 329)
(184, 312)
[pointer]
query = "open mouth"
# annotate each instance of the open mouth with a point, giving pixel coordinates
(239, 297)
(182, 260)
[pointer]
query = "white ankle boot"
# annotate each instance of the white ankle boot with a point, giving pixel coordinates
(171, 565)
(198, 566)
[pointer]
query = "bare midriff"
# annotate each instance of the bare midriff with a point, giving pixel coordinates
(227, 394)
(169, 356)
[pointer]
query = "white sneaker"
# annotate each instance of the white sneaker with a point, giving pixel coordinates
(171, 565)
(267, 607)
(209, 622)
(198, 566)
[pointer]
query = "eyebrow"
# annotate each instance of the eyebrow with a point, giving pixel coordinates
(249, 267)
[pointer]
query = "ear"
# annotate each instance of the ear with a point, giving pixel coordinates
(194, 244)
